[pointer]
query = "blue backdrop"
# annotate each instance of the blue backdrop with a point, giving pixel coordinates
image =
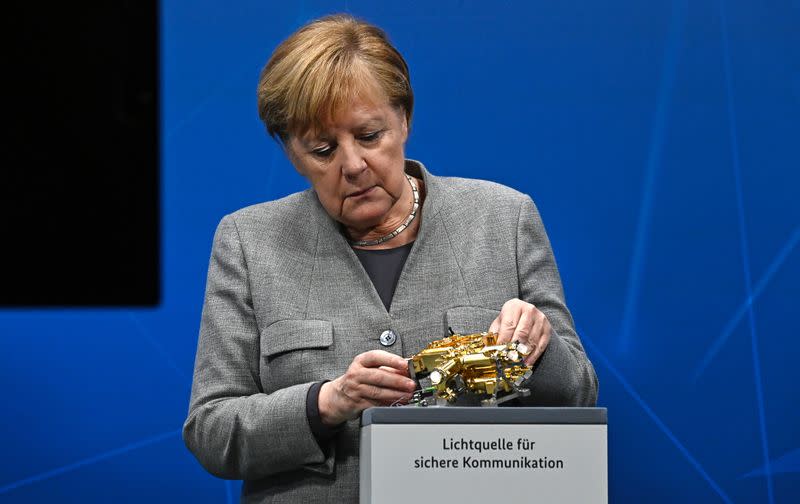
(660, 142)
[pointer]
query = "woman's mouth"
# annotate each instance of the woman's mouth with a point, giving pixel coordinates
(362, 192)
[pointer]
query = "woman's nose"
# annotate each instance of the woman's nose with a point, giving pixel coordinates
(353, 162)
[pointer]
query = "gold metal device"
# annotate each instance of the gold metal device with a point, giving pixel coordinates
(470, 365)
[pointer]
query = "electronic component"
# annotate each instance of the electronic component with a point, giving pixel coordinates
(472, 366)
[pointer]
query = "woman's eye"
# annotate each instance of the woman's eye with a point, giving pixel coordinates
(371, 137)
(322, 152)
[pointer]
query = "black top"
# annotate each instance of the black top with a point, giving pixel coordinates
(384, 268)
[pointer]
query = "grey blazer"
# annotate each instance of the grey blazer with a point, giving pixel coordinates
(288, 303)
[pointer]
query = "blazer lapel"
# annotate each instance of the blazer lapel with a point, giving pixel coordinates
(431, 276)
(339, 283)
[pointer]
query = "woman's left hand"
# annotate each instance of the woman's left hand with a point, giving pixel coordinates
(523, 322)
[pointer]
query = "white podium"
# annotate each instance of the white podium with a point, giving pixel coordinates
(477, 455)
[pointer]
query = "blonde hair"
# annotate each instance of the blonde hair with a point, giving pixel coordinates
(324, 66)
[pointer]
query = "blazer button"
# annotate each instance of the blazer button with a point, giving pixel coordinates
(388, 338)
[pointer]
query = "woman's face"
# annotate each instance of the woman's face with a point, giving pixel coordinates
(356, 165)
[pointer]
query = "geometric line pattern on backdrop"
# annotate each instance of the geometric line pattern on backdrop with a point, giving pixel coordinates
(87, 461)
(184, 378)
(157, 346)
(744, 248)
(741, 311)
(654, 417)
(657, 139)
(788, 463)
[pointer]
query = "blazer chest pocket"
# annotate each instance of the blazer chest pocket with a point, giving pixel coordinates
(295, 351)
(469, 319)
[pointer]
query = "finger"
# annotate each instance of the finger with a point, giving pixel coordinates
(524, 329)
(400, 372)
(364, 403)
(386, 380)
(495, 326)
(544, 340)
(357, 377)
(541, 336)
(535, 336)
(403, 372)
(372, 395)
(365, 395)
(509, 317)
(378, 358)
(532, 358)
(388, 401)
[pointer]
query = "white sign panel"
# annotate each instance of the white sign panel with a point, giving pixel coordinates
(480, 463)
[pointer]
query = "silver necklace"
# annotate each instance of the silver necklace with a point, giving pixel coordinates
(401, 228)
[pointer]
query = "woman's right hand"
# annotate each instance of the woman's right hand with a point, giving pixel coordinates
(374, 378)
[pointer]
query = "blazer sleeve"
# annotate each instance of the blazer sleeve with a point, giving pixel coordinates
(563, 375)
(234, 429)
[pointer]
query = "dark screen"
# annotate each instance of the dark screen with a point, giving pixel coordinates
(80, 155)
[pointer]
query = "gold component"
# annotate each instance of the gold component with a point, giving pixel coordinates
(473, 363)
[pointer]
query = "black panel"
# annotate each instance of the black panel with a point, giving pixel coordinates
(483, 415)
(79, 155)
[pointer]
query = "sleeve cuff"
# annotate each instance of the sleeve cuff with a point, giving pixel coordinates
(322, 433)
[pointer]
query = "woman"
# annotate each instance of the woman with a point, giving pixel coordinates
(341, 281)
